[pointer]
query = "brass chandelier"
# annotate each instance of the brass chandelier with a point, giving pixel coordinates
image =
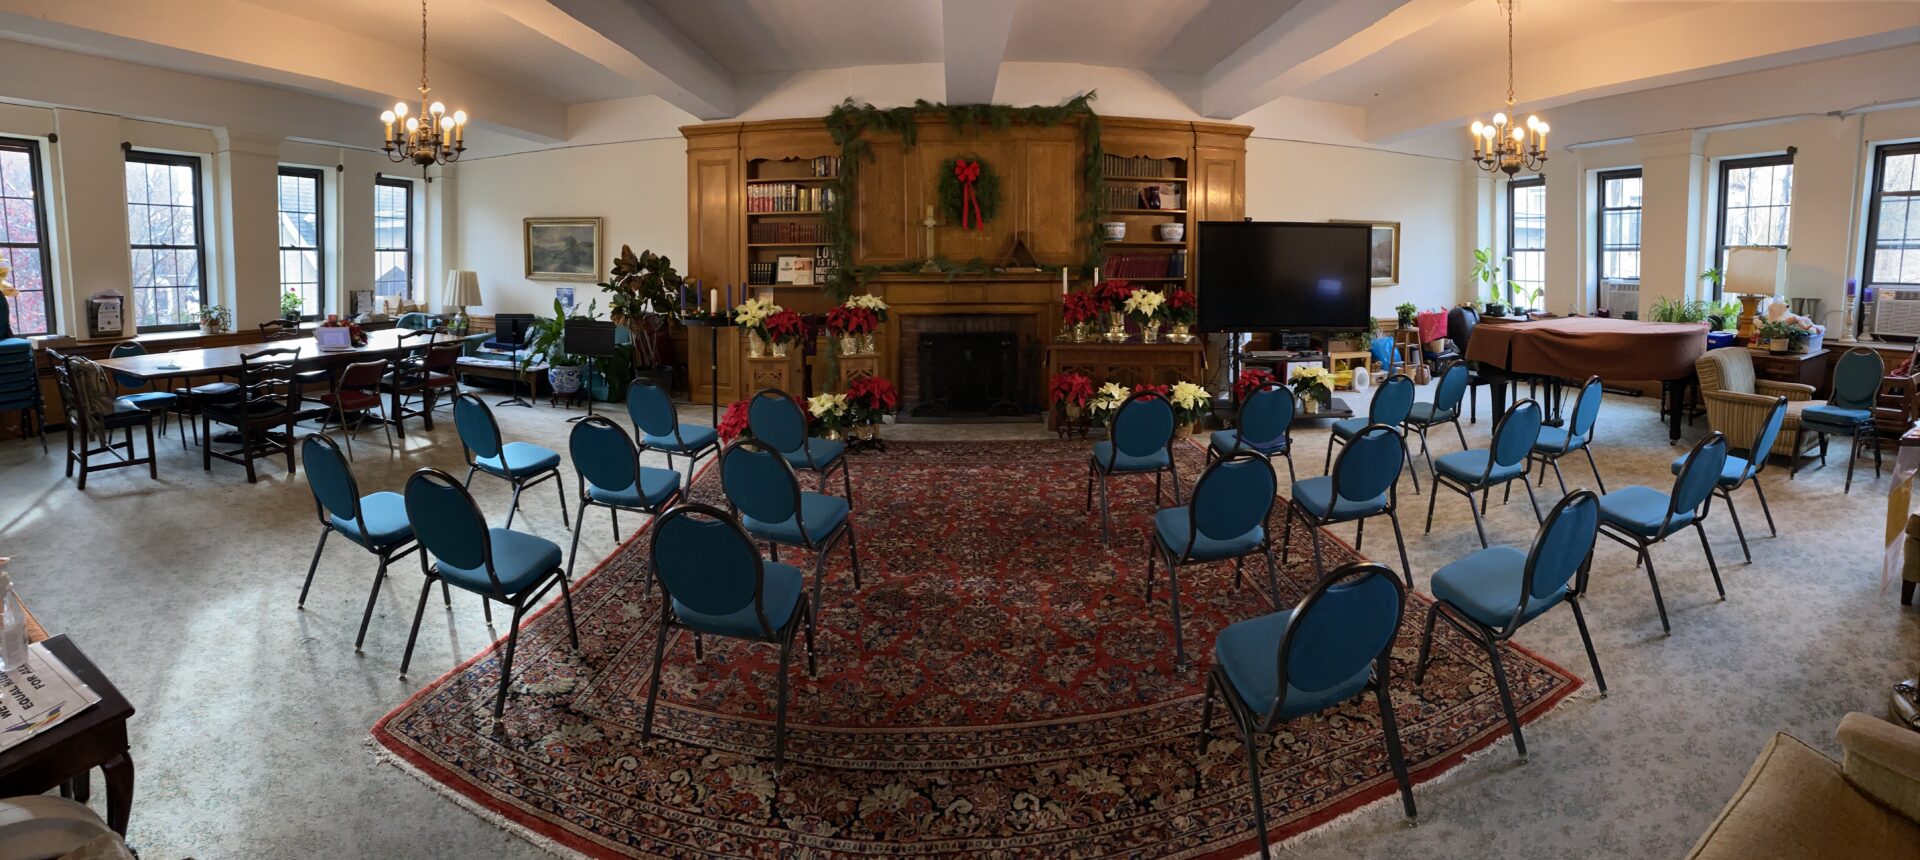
(431, 136)
(1505, 145)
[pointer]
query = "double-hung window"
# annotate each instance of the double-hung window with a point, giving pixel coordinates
(167, 250)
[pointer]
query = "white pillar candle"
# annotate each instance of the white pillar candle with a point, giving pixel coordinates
(1096, 276)
(713, 301)
(1063, 280)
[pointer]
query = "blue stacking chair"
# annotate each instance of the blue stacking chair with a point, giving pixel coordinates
(1503, 462)
(778, 420)
(714, 582)
(761, 485)
(161, 403)
(1745, 466)
(1494, 592)
(1264, 424)
(611, 477)
(521, 464)
(513, 568)
(1227, 520)
(1364, 483)
(658, 424)
(1639, 517)
(1391, 405)
(1849, 411)
(1445, 408)
(376, 522)
(1577, 435)
(1141, 443)
(20, 382)
(1332, 647)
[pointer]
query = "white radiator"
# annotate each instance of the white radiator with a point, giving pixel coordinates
(1896, 312)
(1620, 297)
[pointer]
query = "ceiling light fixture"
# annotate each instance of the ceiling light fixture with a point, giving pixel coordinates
(1505, 145)
(430, 137)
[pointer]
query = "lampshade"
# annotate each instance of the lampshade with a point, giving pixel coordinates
(463, 289)
(1756, 270)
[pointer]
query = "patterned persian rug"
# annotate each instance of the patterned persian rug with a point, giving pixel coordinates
(998, 688)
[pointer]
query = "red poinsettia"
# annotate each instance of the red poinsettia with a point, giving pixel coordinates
(1114, 294)
(1077, 308)
(733, 423)
(872, 398)
(1182, 307)
(844, 320)
(1252, 379)
(786, 327)
(1070, 389)
(1157, 389)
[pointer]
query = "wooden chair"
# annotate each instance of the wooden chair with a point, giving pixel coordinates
(281, 329)
(84, 425)
(268, 399)
(426, 371)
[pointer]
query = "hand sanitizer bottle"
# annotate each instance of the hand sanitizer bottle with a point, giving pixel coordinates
(13, 625)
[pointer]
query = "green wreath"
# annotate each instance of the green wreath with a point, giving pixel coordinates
(953, 197)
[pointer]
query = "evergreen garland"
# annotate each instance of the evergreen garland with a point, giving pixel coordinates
(952, 199)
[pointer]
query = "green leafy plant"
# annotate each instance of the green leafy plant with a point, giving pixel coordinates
(1486, 271)
(1678, 310)
(217, 316)
(1407, 311)
(1714, 276)
(546, 338)
(1778, 329)
(1729, 313)
(1532, 295)
(645, 292)
(290, 304)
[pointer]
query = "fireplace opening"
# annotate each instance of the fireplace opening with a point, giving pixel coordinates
(970, 374)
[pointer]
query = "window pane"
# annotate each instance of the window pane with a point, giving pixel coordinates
(1898, 173)
(299, 234)
(393, 239)
(164, 231)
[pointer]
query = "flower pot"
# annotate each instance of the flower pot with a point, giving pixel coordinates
(1780, 344)
(756, 345)
(1116, 327)
(1113, 230)
(209, 328)
(1495, 309)
(1150, 332)
(779, 348)
(1081, 332)
(565, 380)
(849, 344)
(1181, 333)
(1073, 412)
(1310, 405)
(1170, 232)
(869, 344)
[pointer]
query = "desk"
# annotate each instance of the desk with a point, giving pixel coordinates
(1805, 368)
(217, 360)
(66, 753)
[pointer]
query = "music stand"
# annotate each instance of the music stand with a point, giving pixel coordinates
(510, 330)
(592, 339)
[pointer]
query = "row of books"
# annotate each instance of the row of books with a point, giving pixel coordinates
(824, 167)
(762, 232)
(1143, 168)
(1172, 265)
(1145, 197)
(797, 270)
(788, 197)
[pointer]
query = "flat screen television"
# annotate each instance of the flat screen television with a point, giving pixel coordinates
(1284, 276)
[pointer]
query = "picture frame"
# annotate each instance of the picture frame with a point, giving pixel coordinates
(562, 249)
(1384, 267)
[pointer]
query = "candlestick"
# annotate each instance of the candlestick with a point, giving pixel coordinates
(1063, 280)
(1096, 276)
(729, 295)
(713, 301)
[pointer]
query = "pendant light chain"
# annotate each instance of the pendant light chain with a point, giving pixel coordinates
(1509, 144)
(1508, 4)
(432, 136)
(423, 52)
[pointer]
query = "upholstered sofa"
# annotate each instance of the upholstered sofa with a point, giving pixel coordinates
(1737, 402)
(1798, 803)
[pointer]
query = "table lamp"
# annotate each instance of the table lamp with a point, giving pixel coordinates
(463, 290)
(1754, 272)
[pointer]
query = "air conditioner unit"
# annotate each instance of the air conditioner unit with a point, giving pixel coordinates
(1896, 312)
(1620, 297)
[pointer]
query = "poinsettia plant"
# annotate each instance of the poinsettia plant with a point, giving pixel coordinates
(733, 423)
(1079, 308)
(1145, 306)
(1251, 379)
(1191, 402)
(1312, 383)
(831, 413)
(848, 319)
(1113, 295)
(1070, 390)
(1106, 401)
(753, 314)
(1143, 388)
(868, 301)
(872, 399)
(785, 327)
(1182, 307)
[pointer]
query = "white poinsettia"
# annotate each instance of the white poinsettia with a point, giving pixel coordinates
(827, 405)
(1311, 376)
(1109, 397)
(753, 313)
(1144, 304)
(1187, 396)
(866, 300)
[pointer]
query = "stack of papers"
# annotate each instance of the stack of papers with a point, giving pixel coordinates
(38, 696)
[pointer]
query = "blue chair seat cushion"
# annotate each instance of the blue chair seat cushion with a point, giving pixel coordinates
(1316, 495)
(1424, 414)
(820, 513)
(1829, 415)
(1468, 467)
(1555, 440)
(692, 438)
(1226, 441)
(150, 399)
(1249, 652)
(1486, 586)
(386, 518)
(824, 453)
(1731, 474)
(654, 488)
(779, 596)
(1640, 510)
(1159, 458)
(519, 559)
(1347, 428)
(519, 459)
(1174, 524)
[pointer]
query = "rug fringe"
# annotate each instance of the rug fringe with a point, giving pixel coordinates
(386, 756)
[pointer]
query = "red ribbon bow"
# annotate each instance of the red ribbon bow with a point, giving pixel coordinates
(968, 172)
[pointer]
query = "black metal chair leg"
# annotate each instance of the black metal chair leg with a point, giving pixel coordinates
(1477, 526)
(514, 506)
(406, 659)
(506, 665)
(1413, 471)
(653, 680)
(373, 595)
(1406, 568)
(1653, 579)
(853, 554)
(1179, 498)
(315, 565)
(1252, 739)
(566, 599)
(1737, 530)
(1596, 469)
(1555, 463)
(562, 491)
(1313, 532)
(1286, 539)
(1763, 506)
(1531, 501)
(1396, 756)
(1426, 646)
(575, 550)
(1580, 618)
(1359, 534)
(1434, 500)
(1506, 697)
(1273, 577)
(1711, 566)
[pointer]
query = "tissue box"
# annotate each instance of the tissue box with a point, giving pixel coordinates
(1811, 344)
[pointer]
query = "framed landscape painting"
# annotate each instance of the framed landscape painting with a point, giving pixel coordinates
(563, 249)
(1383, 259)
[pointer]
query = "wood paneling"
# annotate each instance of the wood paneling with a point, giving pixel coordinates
(1050, 202)
(887, 221)
(716, 207)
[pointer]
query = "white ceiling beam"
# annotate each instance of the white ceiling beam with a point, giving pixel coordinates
(1747, 37)
(1312, 40)
(633, 40)
(975, 36)
(241, 41)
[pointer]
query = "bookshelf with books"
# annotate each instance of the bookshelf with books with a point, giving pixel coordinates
(787, 198)
(1146, 188)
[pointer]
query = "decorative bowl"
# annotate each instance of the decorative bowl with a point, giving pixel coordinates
(1114, 230)
(1170, 232)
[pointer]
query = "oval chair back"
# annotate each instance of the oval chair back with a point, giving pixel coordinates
(759, 482)
(1562, 549)
(776, 419)
(1391, 401)
(1143, 425)
(1233, 495)
(651, 409)
(122, 350)
(1345, 623)
(1763, 442)
(1266, 418)
(478, 430)
(1698, 475)
(705, 562)
(1856, 379)
(603, 454)
(1586, 410)
(1369, 464)
(1514, 436)
(448, 523)
(364, 374)
(331, 480)
(1452, 387)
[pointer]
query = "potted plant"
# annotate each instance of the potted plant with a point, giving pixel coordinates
(1106, 402)
(733, 423)
(784, 329)
(1147, 309)
(752, 315)
(645, 292)
(1781, 334)
(1070, 393)
(546, 340)
(872, 399)
(854, 326)
(831, 415)
(1486, 271)
(1251, 379)
(1182, 312)
(214, 319)
(1191, 405)
(1407, 311)
(870, 302)
(1080, 313)
(1313, 385)
(290, 306)
(1112, 297)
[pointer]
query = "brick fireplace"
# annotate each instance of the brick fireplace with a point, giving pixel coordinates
(968, 365)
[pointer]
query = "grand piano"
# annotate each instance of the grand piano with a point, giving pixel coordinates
(1578, 347)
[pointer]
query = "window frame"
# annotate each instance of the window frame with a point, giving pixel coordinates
(1874, 196)
(413, 281)
(1727, 167)
(45, 245)
(1600, 219)
(319, 248)
(199, 247)
(1515, 185)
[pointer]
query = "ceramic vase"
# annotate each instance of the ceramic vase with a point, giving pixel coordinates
(849, 344)
(565, 380)
(1310, 405)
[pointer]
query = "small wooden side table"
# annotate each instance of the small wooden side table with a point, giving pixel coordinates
(66, 754)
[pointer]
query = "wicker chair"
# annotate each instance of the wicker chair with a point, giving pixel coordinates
(1738, 403)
